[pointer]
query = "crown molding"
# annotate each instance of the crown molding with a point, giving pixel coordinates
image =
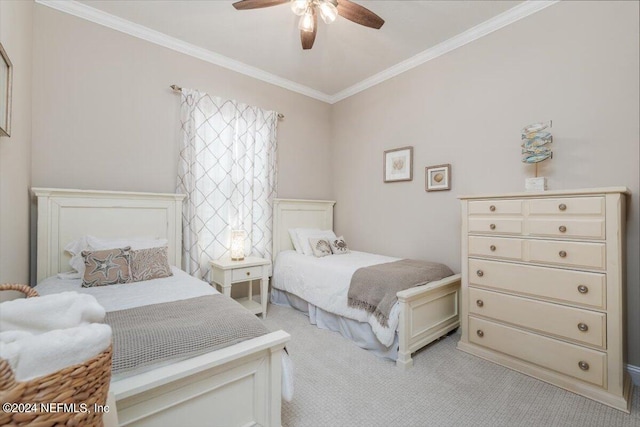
(510, 16)
(97, 16)
(94, 15)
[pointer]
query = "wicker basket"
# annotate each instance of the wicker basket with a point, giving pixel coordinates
(84, 385)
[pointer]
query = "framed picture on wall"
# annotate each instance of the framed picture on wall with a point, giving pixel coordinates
(438, 177)
(6, 74)
(398, 164)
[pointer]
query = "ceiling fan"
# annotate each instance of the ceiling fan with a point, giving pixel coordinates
(308, 11)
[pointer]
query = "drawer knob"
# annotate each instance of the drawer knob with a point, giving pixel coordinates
(583, 365)
(479, 303)
(480, 333)
(492, 226)
(562, 254)
(493, 248)
(583, 327)
(248, 273)
(562, 228)
(562, 207)
(480, 273)
(492, 208)
(583, 289)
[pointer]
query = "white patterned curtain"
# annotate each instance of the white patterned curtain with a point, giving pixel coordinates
(227, 168)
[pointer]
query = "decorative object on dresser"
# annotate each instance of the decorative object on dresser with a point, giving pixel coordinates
(437, 178)
(225, 273)
(6, 77)
(398, 164)
(543, 287)
(534, 150)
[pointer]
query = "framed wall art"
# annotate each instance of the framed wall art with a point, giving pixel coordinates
(6, 74)
(398, 164)
(438, 177)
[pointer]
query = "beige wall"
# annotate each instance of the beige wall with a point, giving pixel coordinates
(575, 63)
(16, 19)
(105, 118)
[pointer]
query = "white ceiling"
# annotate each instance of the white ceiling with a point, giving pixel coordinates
(344, 53)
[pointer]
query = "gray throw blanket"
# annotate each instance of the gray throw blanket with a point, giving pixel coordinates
(374, 288)
(156, 333)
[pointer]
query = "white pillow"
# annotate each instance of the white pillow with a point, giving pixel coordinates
(294, 240)
(75, 248)
(304, 234)
(136, 243)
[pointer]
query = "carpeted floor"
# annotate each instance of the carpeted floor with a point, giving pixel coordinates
(339, 384)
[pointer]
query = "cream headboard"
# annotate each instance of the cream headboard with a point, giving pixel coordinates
(290, 213)
(65, 215)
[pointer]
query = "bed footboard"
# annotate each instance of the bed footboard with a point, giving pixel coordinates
(235, 386)
(426, 314)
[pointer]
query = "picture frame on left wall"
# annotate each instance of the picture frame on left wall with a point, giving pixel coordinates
(6, 77)
(398, 164)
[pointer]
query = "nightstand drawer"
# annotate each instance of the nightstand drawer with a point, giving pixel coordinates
(495, 207)
(580, 326)
(570, 227)
(574, 287)
(248, 273)
(495, 225)
(568, 359)
(567, 206)
(574, 254)
(495, 247)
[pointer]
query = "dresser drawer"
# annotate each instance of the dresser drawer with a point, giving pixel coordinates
(568, 359)
(574, 254)
(495, 225)
(567, 206)
(567, 227)
(495, 207)
(248, 273)
(495, 247)
(574, 287)
(574, 324)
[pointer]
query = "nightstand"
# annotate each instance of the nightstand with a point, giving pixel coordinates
(226, 273)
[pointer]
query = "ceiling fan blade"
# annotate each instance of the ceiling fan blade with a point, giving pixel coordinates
(257, 4)
(359, 14)
(309, 37)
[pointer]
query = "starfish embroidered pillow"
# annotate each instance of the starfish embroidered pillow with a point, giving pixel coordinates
(106, 267)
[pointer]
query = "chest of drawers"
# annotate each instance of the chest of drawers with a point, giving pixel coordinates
(543, 287)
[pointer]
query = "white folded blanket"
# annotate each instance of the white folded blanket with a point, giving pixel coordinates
(34, 355)
(49, 312)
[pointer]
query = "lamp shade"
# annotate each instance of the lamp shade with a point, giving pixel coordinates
(237, 245)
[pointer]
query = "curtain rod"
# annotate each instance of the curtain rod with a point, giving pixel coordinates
(177, 88)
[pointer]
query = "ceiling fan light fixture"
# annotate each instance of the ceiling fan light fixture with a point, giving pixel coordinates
(299, 7)
(328, 11)
(306, 21)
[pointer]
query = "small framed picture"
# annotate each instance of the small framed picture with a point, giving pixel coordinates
(438, 177)
(398, 164)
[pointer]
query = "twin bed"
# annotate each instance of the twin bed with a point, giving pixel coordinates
(319, 286)
(232, 386)
(240, 384)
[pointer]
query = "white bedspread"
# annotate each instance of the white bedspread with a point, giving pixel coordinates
(324, 282)
(120, 297)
